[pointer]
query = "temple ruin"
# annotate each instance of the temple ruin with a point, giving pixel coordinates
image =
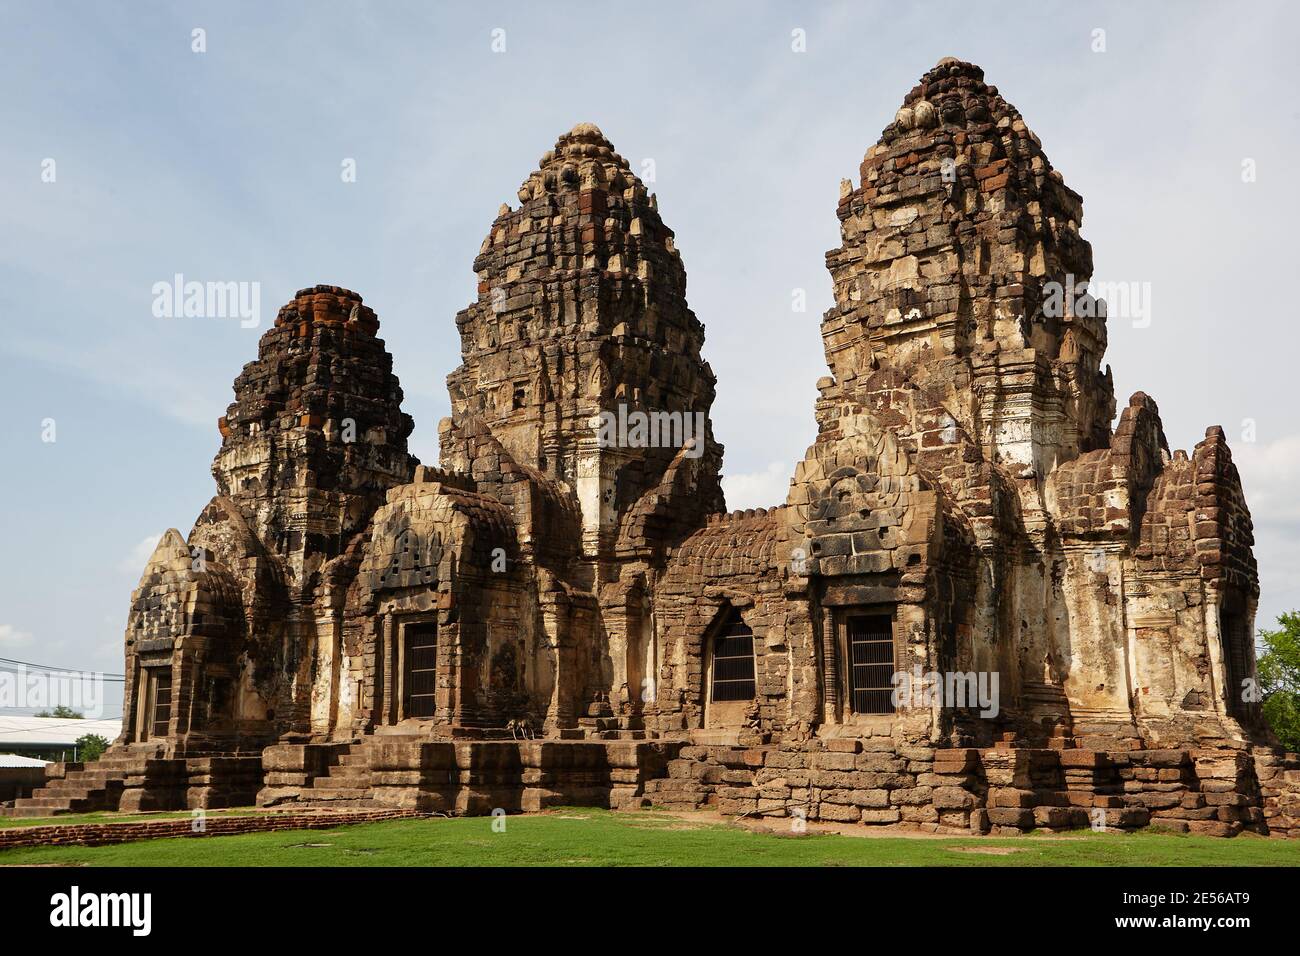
(981, 607)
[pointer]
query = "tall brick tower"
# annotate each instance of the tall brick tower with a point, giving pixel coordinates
(316, 432)
(581, 310)
(952, 244)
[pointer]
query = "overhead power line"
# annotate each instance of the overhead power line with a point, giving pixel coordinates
(116, 678)
(65, 723)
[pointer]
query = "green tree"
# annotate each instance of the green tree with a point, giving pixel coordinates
(1279, 679)
(62, 711)
(90, 747)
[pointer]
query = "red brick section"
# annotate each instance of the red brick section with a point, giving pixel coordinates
(103, 834)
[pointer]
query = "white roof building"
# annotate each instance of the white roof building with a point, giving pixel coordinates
(26, 733)
(10, 761)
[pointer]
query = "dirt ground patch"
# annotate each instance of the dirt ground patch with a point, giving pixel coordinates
(990, 850)
(780, 826)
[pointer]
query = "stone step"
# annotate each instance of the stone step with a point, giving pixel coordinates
(675, 787)
(106, 765)
(71, 793)
(341, 782)
(26, 812)
(64, 795)
(88, 779)
(52, 806)
(333, 794)
(91, 779)
(341, 803)
(678, 801)
(97, 787)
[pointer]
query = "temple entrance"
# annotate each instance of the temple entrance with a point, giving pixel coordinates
(420, 672)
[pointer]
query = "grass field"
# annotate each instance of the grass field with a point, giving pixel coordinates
(583, 837)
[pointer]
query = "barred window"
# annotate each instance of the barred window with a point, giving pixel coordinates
(733, 661)
(871, 653)
(1234, 635)
(421, 668)
(161, 705)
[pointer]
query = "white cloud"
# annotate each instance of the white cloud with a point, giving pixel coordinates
(1270, 474)
(11, 637)
(759, 489)
(134, 562)
(181, 395)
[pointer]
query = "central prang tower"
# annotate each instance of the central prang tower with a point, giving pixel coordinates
(581, 310)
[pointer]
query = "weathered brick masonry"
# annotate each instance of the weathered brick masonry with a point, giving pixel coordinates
(563, 611)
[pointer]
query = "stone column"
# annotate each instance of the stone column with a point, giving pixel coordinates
(830, 669)
(386, 711)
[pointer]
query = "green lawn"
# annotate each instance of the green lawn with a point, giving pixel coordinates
(582, 837)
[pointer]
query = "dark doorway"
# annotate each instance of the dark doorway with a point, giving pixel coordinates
(871, 668)
(421, 679)
(1234, 635)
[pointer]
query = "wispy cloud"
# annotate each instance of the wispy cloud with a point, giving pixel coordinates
(11, 638)
(134, 562)
(759, 489)
(1270, 475)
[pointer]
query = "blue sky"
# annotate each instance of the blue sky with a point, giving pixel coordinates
(225, 166)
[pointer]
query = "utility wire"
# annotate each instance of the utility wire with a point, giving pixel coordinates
(66, 723)
(62, 670)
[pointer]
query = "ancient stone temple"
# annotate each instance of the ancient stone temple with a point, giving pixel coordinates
(986, 604)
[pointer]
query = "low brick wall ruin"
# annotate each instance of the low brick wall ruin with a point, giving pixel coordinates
(1278, 774)
(998, 790)
(103, 834)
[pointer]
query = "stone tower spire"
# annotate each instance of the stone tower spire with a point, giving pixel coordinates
(316, 433)
(581, 311)
(956, 244)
